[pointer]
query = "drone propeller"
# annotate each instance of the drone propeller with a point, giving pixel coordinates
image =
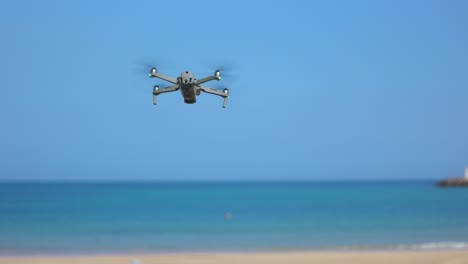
(145, 65)
(143, 68)
(226, 68)
(228, 76)
(226, 71)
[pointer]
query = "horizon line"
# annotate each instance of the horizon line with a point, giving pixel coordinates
(182, 181)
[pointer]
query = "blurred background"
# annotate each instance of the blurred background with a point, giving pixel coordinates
(319, 90)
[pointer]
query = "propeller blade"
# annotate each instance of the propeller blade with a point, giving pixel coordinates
(227, 68)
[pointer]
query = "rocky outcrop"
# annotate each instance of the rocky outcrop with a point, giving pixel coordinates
(453, 182)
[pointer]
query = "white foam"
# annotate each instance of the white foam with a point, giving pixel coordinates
(443, 245)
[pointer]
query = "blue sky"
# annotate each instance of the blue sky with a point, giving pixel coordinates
(319, 90)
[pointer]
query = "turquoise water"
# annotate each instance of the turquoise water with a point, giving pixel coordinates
(76, 218)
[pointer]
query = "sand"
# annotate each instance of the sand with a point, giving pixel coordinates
(415, 257)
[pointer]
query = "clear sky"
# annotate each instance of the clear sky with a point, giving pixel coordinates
(319, 90)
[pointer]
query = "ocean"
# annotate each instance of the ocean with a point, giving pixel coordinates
(171, 217)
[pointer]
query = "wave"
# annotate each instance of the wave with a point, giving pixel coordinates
(427, 246)
(442, 245)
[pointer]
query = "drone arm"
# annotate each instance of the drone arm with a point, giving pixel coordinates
(212, 91)
(224, 93)
(157, 91)
(163, 77)
(207, 79)
(168, 89)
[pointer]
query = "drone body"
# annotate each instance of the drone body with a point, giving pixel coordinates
(189, 86)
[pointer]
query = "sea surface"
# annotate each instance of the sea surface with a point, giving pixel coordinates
(149, 217)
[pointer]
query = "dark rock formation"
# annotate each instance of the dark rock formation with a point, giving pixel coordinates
(453, 182)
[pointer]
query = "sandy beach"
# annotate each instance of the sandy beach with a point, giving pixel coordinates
(384, 257)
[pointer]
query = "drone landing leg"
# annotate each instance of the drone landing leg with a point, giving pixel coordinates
(157, 91)
(224, 93)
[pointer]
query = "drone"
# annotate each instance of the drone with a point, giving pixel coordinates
(189, 86)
